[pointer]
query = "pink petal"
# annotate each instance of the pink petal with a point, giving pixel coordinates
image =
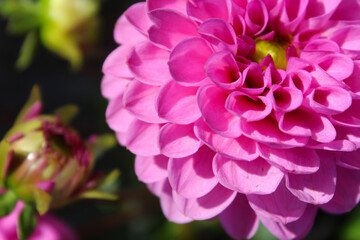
(318, 13)
(238, 219)
(325, 45)
(139, 100)
(301, 80)
(211, 101)
(187, 61)
(126, 33)
(151, 169)
(350, 160)
(170, 27)
(347, 39)
(267, 131)
(241, 148)
(285, 99)
(305, 123)
(192, 177)
(253, 80)
(149, 64)
(316, 188)
(255, 177)
(353, 81)
(177, 103)
(347, 10)
(219, 33)
(169, 207)
(294, 230)
(280, 206)
(116, 63)
(294, 160)
(112, 86)
(247, 107)
(292, 15)
(351, 117)
(205, 9)
(222, 69)
(205, 207)
(178, 141)
(256, 17)
(337, 65)
(137, 16)
(117, 117)
(142, 138)
(178, 5)
(347, 193)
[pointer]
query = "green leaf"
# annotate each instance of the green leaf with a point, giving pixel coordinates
(4, 153)
(7, 202)
(67, 113)
(27, 50)
(35, 96)
(26, 222)
(42, 200)
(102, 144)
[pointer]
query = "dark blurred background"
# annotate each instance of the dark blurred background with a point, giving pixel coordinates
(137, 214)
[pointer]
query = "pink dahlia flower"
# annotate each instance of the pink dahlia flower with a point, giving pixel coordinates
(48, 227)
(243, 110)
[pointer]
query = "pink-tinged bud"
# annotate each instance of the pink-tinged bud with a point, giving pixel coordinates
(45, 163)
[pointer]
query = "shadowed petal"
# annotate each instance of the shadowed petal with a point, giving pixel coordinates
(151, 169)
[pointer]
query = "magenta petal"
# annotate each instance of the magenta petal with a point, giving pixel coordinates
(187, 61)
(177, 103)
(118, 118)
(294, 230)
(347, 193)
(207, 206)
(178, 5)
(192, 177)
(305, 123)
(294, 160)
(116, 63)
(222, 69)
(178, 141)
(149, 64)
(168, 205)
(329, 100)
(286, 99)
(318, 13)
(337, 65)
(348, 39)
(211, 101)
(256, 17)
(126, 33)
(316, 188)
(353, 81)
(151, 169)
(139, 100)
(347, 10)
(255, 177)
(142, 138)
(238, 219)
(350, 160)
(247, 107)
(219, 33)
(170, 27)
(112, 86)
(351, 117)
(241, 148)
(205, 9)
(137, 16)
(280, 206)
(267, 131)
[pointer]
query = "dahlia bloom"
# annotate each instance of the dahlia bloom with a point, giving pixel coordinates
(48, 227)
(243, 110)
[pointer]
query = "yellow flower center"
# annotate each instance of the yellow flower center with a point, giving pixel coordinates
(277, 50)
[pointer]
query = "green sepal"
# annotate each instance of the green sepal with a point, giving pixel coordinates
(26, 222)
(102, 144)
(67, 113)
(4, 153)
(109, 182)
(27, 50)
(24, 127)
(35, 96)
(7, 202)
(94, 194)
(42, 200)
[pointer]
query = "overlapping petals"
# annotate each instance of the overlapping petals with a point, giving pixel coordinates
(245, 110)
